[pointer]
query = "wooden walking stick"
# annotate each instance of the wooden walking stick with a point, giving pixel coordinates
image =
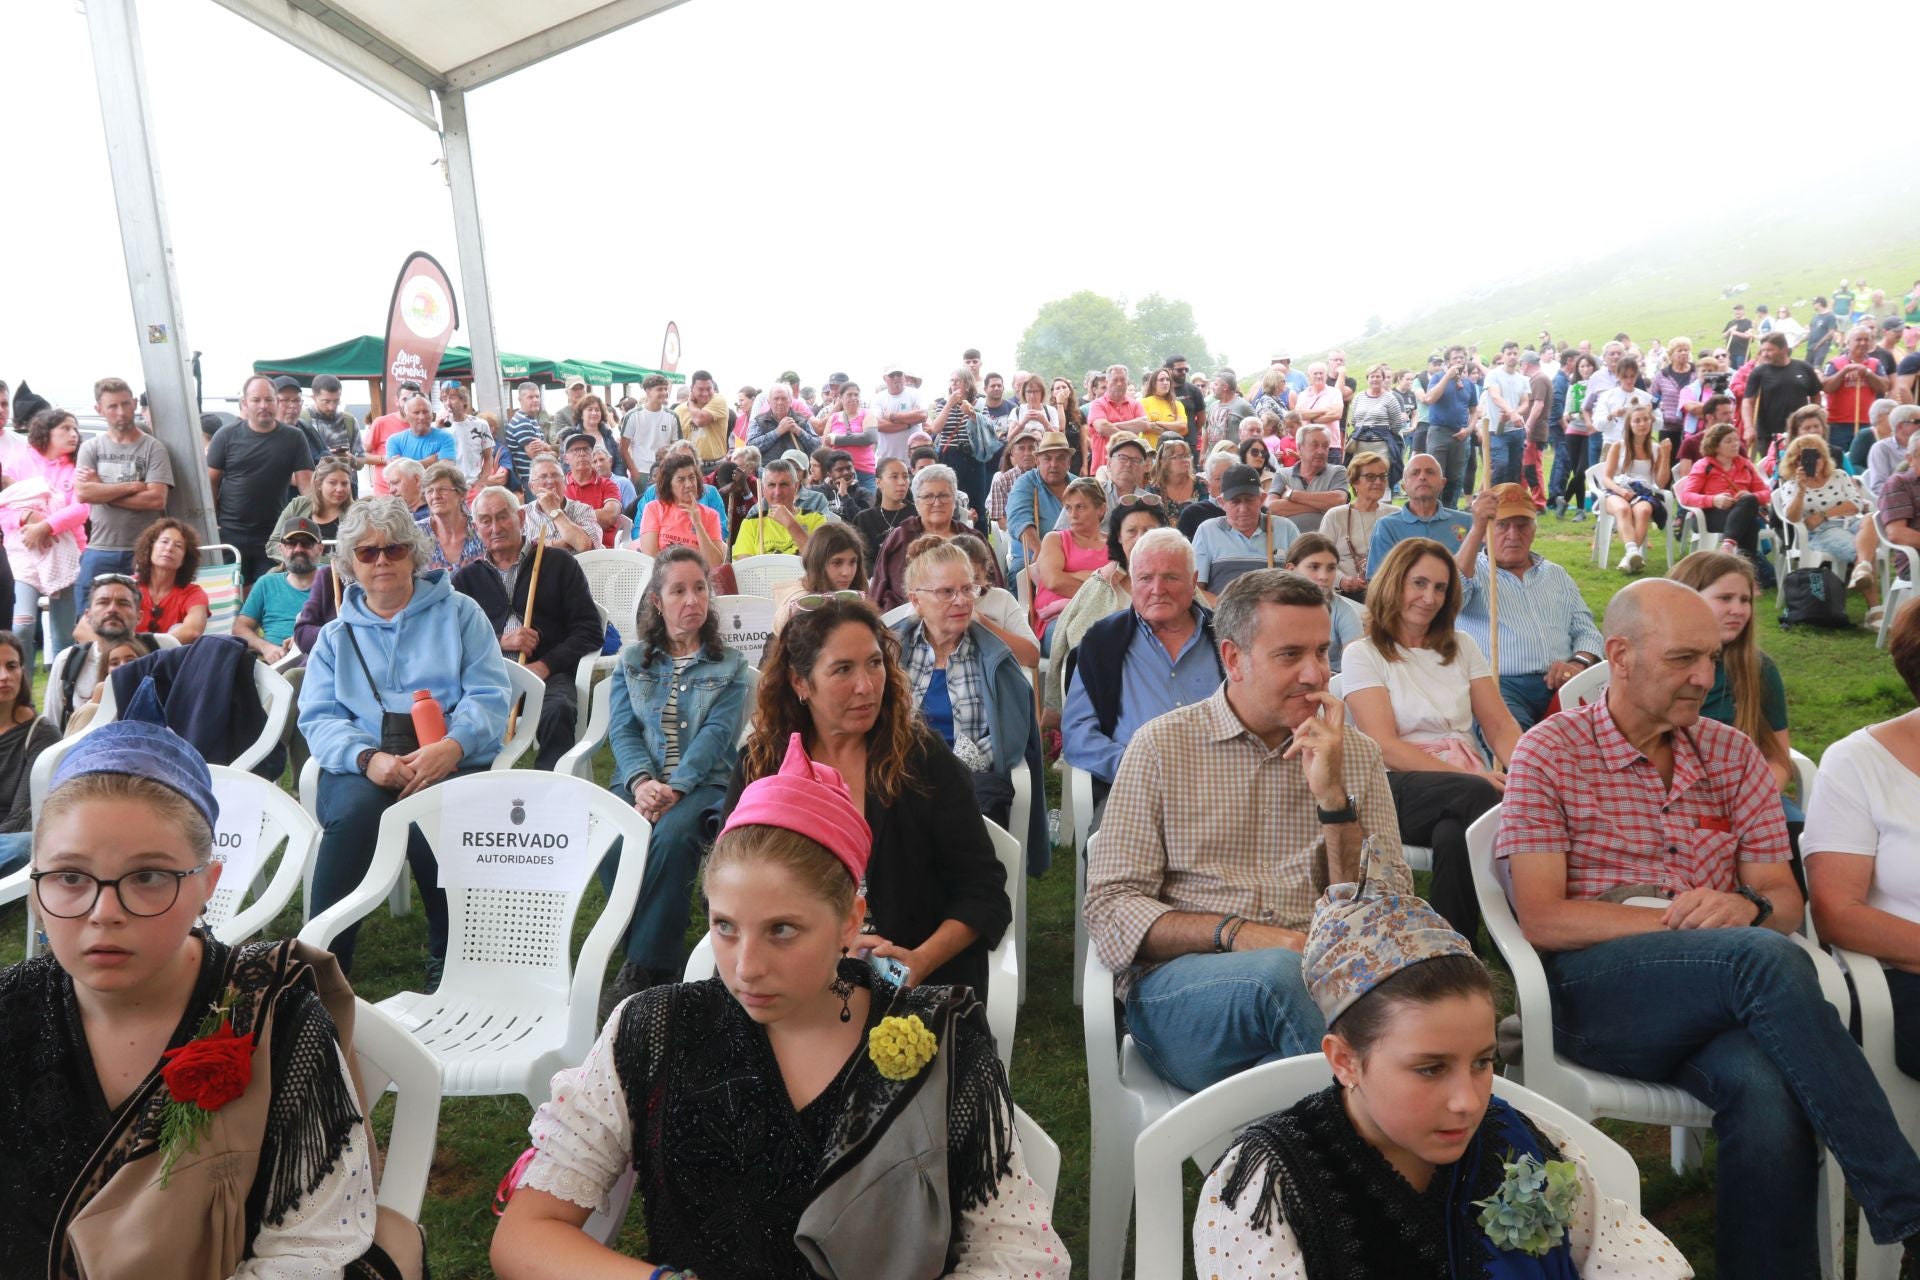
(1493, 567)
(533, 589)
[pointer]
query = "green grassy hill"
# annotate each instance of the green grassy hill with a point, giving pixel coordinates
(1672, 286)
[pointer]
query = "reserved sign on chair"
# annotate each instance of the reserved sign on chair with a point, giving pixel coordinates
(512, 830)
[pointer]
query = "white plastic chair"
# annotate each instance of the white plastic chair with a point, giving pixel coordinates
(1896, 584)
(1880, 1262)
(1004, 961)
(511, 1008)
(522, 683)
(898, 614)
(746, 621)
(1076, 803)
(1589, 686)
(1207, 1121)
(1019, 817)
(1795, 550)
(282, 821)
(276, 696)
(13, 888)
(1603, 522)
(618, 580)
(386, 1057)
(1595, 1095)
(759, 575)
(1125, 1095)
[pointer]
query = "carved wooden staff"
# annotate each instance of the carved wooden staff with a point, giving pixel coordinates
(533, 589)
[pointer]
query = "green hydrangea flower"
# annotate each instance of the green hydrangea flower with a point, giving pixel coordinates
(1531, 1210)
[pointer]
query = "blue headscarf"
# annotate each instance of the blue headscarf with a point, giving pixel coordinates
(140, 745)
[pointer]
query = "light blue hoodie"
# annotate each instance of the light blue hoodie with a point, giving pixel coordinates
(440, 642)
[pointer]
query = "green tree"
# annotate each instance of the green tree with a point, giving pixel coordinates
(1072, 335)
(1164, 327)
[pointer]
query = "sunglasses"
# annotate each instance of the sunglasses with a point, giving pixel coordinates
(119, 579)
(1141, 500)
(392, 553)
(821, 599)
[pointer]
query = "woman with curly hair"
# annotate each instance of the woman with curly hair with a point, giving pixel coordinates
(166, 557)
(678, 696)
(937, 898)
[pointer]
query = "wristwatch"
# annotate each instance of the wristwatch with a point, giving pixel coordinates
(1337, 817)
(1759, 900)
(365, 758)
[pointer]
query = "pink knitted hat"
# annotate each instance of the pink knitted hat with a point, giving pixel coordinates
(811, 800)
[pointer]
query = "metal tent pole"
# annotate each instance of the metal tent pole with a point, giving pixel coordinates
(473, 254)
(166, 361)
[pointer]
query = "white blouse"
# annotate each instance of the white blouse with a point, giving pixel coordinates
(327, 1230)
(1432, 700)
(1609, 1241)
(584, 1144)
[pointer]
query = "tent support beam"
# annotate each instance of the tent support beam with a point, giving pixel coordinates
(166, 362)
(487, 389)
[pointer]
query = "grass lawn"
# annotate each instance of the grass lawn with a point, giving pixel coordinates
(1836, 682)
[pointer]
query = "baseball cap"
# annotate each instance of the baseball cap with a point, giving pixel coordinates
(575, 380)
(1529, 357)
(789, 376)
(1512, 500)
(888, 370)
(286, 382)
(836, 379)
(1122, 438)
(1892, 324)
(576, 437)
(1028, 432)
(298, 526)
(1239, 482)
(1434, 357)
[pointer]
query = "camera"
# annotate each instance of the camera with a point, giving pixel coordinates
(1718, 381)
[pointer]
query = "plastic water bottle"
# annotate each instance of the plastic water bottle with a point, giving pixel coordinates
(429, 721)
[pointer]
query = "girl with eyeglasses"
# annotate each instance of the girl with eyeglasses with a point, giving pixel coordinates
(966, 683)
(678, 697)
(100, 1181)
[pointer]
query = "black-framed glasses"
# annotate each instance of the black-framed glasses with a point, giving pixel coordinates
(392, 552)
(68, 895)
(821, 599)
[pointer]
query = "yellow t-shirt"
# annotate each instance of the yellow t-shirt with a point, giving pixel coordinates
(765, 536)
(1159, 410)
(710, 443)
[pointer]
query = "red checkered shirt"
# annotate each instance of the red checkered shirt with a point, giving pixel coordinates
(1578, 787)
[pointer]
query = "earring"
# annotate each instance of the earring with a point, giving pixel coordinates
(844, 989)
(40, 937)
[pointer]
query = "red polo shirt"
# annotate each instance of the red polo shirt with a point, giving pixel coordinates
(596, 493)
(1107, 410)
(1850, 404)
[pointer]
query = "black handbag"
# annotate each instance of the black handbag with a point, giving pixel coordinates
(397, 734)
(1815, 598)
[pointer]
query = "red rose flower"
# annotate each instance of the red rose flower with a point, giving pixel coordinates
(209, 1072)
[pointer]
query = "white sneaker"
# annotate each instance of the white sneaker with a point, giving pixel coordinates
(1626, 557)
(1634, 560)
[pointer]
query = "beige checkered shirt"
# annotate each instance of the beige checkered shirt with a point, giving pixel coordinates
(1204, 818)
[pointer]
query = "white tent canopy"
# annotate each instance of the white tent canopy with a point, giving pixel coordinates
(416, 54)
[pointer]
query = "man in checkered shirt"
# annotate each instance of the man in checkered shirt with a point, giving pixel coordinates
(1638, 798)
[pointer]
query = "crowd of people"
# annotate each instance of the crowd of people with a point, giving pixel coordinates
(1318, 590)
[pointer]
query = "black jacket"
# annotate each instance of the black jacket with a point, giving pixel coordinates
(563, 609)
(1101, 657)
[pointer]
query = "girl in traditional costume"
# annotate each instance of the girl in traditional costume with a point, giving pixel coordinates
(1391, 1170)
(174, 1106)
(797, 1115)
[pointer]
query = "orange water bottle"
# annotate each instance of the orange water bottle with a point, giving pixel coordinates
(429, 721)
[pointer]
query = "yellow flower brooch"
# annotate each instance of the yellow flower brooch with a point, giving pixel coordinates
(901, 1047)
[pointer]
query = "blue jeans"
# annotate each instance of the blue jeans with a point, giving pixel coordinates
(1508, 448)
(1527, 697)
(15, 848)
(1735, 1017)
(1840, 436)
(1902, 986)
(1201, 1018)
(656, 937)
(26, 614)
(94, 563)
(350, 807)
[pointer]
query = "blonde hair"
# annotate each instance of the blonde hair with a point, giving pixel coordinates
(1809, 441)
(933, 552)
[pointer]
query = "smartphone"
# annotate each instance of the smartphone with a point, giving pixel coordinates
(891, 969)
(1809, 461)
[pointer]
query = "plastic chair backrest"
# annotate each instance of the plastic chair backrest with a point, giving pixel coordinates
(244, 850)
(1589, 686)
(617, 579)
(758, 575)
(522, 683)
(1213, 1115)
(752, 700)
(898, 614)
(386, 1056)
(1003, 962)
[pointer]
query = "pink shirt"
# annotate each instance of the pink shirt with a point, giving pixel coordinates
(1328, 397)
(63, 512)
(675, 527)
(1078, 561)
(862, 455)
(1105, 410)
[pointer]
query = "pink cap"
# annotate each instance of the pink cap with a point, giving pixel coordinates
(811, 800)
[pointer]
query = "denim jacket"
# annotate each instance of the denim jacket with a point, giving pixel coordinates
(713, 698)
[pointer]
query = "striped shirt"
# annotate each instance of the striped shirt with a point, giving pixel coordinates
(1577, 787)
(1543, 617)
(1260, 853)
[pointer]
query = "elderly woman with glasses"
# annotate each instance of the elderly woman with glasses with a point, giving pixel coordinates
(936, 497)
(678, 697)
(456, 544)
(1350, 527)
(401, 630)
(968, 684)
